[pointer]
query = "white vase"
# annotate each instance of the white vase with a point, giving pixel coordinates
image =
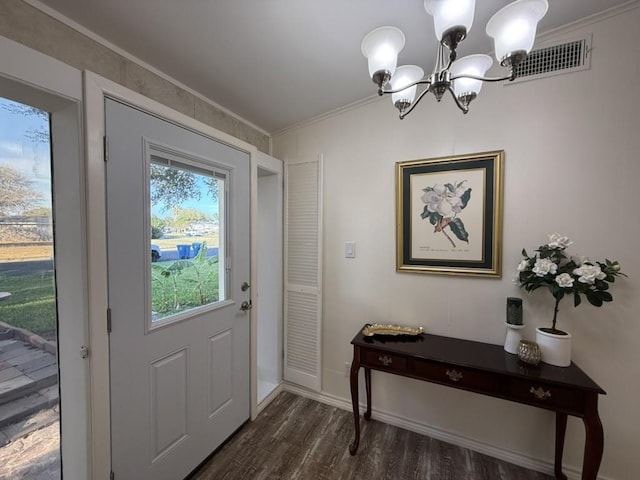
(556, 349)
(513, 338)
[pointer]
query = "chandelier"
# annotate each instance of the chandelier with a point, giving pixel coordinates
(513, 29)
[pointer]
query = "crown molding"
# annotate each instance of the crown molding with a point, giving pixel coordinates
(331, 113)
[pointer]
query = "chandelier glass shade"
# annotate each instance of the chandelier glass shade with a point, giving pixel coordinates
(404, 83)
(381, 47)
(513, 29)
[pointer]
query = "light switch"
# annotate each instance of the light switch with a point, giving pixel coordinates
(350, 250)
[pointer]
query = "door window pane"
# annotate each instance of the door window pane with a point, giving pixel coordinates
(187, 225)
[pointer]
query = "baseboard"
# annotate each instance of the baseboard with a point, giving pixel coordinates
(510, 456)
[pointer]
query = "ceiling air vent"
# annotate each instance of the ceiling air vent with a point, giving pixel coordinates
(555, 59)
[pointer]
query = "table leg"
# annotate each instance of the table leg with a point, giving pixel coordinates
(355, 367)
(561, 428)
(594, 443)
(367, 384)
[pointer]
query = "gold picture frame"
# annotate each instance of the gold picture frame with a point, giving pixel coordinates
(449, 215)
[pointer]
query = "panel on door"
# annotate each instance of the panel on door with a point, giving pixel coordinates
(178, 245)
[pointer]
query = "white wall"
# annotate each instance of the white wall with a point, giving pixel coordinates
(571, 145)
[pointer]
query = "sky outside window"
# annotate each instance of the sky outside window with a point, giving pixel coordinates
(24, 146)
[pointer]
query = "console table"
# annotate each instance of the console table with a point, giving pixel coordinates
(489, 370)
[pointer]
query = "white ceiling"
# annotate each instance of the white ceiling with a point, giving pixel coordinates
(278, 62)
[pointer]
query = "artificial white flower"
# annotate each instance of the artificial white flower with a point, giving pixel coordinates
(523, 265)
(559, 241)
(544, 266)
(581, 260)
(564, 280)
(588, 273)
(561, 275)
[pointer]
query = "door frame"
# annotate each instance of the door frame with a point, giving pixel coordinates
(96, 88)
(267, 163)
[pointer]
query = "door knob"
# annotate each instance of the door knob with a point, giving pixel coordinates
(246, 306)
(244, 286)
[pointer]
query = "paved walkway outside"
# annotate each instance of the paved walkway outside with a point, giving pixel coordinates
(29, 414)
(36, 454)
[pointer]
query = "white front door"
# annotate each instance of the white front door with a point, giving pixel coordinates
(179, 341)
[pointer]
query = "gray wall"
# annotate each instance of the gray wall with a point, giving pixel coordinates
(25, 24)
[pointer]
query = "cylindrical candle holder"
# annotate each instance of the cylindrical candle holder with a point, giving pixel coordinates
(514, 310)
(513, 338)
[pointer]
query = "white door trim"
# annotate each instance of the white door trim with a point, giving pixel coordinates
(273, 165)
(96, 88)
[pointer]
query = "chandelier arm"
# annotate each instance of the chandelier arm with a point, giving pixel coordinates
(509, 77)
(465, 109)
(452, 57)
(449, 65)
(424, 81)
(413, 105)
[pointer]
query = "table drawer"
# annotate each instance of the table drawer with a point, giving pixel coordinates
(384, 361)
(545, 396)
(456, 376)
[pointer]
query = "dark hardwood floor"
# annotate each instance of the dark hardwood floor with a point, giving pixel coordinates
(298, 438)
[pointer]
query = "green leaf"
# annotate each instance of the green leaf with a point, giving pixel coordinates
(457, 227)
(557, 292)
(434, 218)
(600, 285)
(179, 265)
(425, 212)
(450, 187)
(594, 299)
(466, 196)
(201, 257)
(605, 296)
(576, 299)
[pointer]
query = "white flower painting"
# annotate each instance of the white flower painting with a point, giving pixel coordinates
(442, 204)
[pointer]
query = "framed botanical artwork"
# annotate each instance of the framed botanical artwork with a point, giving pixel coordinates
(449, 215)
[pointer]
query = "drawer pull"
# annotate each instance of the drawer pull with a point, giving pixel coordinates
(540, 393)
(386, 361)
(454, 375)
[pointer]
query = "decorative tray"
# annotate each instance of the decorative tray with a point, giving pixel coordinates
(372, 329)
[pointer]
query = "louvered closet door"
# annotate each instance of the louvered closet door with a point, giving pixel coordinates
(303, 279)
